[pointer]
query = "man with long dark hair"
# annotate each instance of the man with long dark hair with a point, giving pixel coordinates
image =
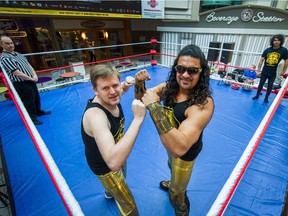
(186, 111)
(271, 58)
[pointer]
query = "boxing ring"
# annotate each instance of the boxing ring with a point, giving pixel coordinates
(261, 190)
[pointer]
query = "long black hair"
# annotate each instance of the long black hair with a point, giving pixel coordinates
(199, 94)
(280, 37)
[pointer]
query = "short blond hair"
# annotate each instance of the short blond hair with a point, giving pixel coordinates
(102, 70)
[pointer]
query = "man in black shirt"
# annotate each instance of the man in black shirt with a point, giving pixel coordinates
(23, 77)
(187, 109)
(107, 147)
(271, 58)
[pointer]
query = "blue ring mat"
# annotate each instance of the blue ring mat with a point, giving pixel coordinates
(236, 118)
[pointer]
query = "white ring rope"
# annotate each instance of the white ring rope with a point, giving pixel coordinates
(63, 84)
(234, 51)
(220, 204)
(89, 48)
(56, 174)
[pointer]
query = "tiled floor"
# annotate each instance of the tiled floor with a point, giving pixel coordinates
(5, 211)
(4, 204)
(2, 97)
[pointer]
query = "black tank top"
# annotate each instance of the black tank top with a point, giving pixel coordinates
(176, 115)
(92, 153)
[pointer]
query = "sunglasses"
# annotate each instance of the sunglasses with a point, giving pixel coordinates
(190, 70)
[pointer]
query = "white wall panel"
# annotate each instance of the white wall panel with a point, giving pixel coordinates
(253, 48)
(247, 49)
(170, 48)
(203, 41)
(183, 4)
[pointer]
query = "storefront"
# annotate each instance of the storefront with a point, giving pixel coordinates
(29, 36)
(82, 33)
(37, 35)
(40, 26)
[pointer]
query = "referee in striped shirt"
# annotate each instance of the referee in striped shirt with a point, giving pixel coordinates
(23, 77)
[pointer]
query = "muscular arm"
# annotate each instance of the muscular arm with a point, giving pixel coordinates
(179, 141)
(140, 89)
(139, 85)
(157, 89)
(114, 154)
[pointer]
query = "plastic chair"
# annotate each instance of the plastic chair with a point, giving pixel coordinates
(62, 71)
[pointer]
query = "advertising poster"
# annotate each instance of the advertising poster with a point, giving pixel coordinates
(86, 8)
(153, 9)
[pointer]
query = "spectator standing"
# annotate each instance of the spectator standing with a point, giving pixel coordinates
(271, 58)
(23, 77)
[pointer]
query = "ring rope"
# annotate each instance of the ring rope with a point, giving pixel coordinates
(220, 204)
(88, 48)
(85, 79)
(210, 62)
(68, 199)
(203, 47)
(96, 62)
(129, 44)
(63, 84)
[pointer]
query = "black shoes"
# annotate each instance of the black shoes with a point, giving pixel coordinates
(42, 112)
(37, 122)
(164, 185)
(256, 97)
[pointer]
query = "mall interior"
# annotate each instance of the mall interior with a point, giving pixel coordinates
(36, 33)
(40, 32)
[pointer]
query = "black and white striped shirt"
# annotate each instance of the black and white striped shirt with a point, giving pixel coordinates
(12, 62)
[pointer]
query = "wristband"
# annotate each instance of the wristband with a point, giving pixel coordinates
(160, 120)
(139, 87)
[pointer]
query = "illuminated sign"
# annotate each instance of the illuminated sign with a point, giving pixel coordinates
(92, 24)
(8, 25)
(246, 16)
(16, 34)
(124, 9)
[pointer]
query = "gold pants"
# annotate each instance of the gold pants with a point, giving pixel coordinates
(124, 170)
(180, 176)
(115, 184)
